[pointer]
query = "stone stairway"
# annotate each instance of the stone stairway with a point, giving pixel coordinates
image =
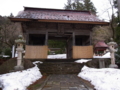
(60, 67)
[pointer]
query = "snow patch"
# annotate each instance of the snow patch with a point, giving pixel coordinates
(102, 79)
(83, 60)
(57, 56)
(107, 55)
(20, 80)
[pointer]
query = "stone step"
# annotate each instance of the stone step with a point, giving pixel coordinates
(60, 67)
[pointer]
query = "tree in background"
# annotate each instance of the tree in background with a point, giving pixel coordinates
(80, 5)
(101, 33)
(77, 5)
(68, 6)
(61, 44)
(88, 5)
(117, 21)
(9, 31)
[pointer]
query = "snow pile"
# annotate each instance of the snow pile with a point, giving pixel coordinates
(102, 79)
(83, 60)
(57, 56)
(20, 80)
(107, 55)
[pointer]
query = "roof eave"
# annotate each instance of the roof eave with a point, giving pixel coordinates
(60, 21)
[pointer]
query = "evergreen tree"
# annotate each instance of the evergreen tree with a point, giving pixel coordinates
(80, 5)
(68, 6)
(88, 5)
(77, 5)
(11, 15)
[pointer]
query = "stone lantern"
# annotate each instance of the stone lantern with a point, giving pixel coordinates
(20, 42)
(112, 50)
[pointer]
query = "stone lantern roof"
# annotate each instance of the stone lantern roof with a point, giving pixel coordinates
(20, 40)
(112, 42)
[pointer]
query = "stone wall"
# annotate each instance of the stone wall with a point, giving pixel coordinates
(60, 67)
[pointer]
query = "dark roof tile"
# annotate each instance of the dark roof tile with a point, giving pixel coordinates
(56, 14)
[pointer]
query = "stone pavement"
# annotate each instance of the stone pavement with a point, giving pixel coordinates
(64, 82)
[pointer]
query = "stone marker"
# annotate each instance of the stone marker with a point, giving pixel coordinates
(20, 42)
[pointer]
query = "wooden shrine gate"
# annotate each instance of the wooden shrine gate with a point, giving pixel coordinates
(40, 25)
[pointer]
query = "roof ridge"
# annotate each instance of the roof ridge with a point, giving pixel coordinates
(37, 8)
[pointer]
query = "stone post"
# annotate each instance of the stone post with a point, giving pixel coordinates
(19, 50)
(112, 50)
(101, 63)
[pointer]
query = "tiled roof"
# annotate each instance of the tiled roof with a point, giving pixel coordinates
(57, 14)
(101, 44)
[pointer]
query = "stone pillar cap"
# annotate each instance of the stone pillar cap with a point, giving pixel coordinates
(20, 40)
(112, 42)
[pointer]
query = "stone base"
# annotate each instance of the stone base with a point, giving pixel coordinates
(113, 66)
(18, 68)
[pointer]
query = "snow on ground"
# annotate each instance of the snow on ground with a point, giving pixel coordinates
(57, 56)
(83, 60)
(102, 79)
(107, 55)
(20, 80)
(63, 56)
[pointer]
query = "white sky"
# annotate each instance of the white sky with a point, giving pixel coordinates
(14, 6)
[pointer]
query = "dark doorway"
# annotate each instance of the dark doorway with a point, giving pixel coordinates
(82, 40)
(36, 39)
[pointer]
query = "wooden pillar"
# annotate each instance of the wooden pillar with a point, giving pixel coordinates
(90, 37)
(73, 37)
(46, 38)
(27, 38)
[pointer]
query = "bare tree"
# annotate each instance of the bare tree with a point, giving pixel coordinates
(113, 23)
(9, 31)
(101, 33)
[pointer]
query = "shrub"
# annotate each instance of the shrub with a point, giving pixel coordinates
(7, 51)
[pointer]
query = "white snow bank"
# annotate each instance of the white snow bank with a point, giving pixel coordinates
(57, 56)
(107, 55)
(19, 80)
(83, 60)
(102, 79)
